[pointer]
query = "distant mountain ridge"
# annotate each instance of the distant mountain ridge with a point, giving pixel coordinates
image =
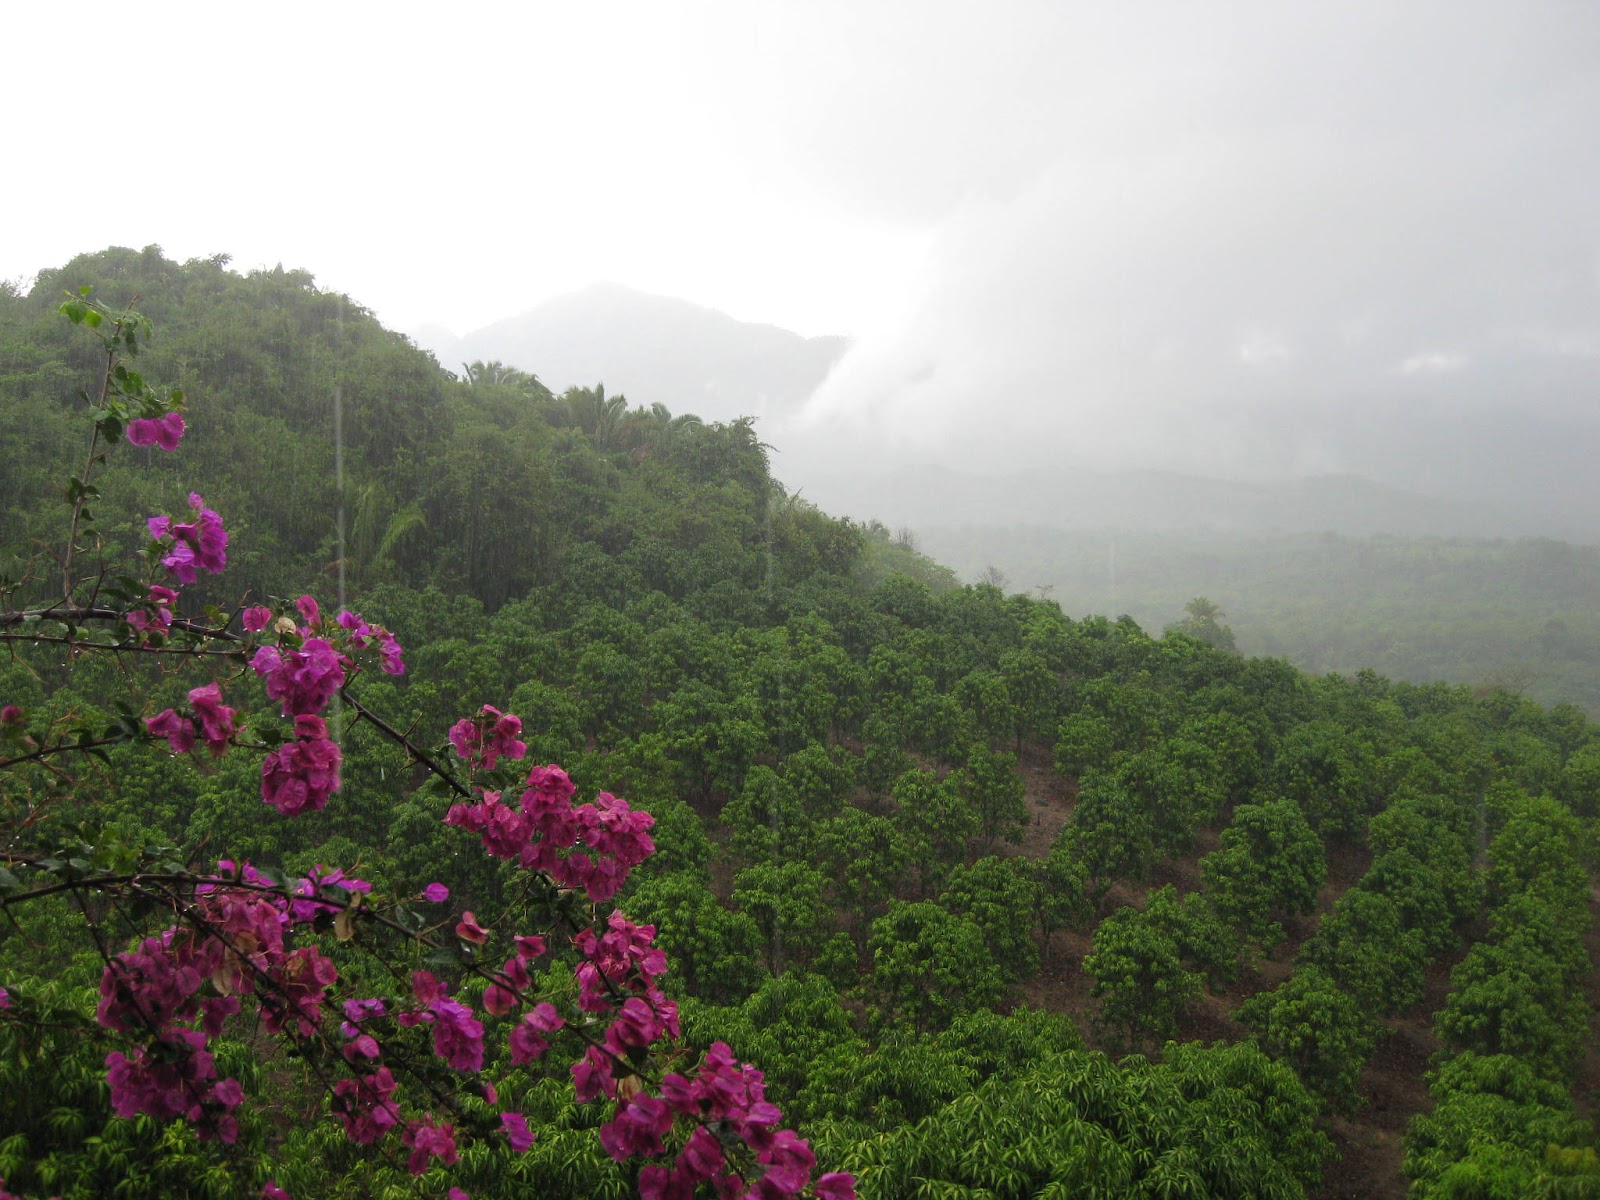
(652, 349)
(693, 359)
(927, 497)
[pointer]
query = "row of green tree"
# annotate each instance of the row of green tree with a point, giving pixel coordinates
(831, 737)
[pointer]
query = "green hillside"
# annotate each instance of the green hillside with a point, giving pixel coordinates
(1002, 902)
(1518, 613)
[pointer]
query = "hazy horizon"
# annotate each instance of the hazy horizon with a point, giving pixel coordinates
(1251, 241)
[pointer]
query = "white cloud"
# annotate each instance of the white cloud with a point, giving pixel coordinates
(1262, 348)
(1433, 362)
(1064, 230)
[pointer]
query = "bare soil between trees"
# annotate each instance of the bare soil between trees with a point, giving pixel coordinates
(1393, 1087)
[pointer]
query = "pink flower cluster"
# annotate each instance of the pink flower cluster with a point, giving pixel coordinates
(304, 907)
(302, 680)
(238, 949)
(364, 1106)
(215, 718)
(730, 1097)
(362, 633)
(623, 960)
(177, 1079)
(623, 964)
(151, 987)
(528, 1042)
(201, 544)
(299, 776)
(156, 613)
(429, 1140)
(360, 1044)
(546, 826)
(300, 983)
(515, 1126)
(488, 737)
(500, 998)
(164, 431)
(457, 1034)
(147, 992)
(303, 674)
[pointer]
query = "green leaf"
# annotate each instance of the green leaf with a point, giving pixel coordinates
(410, 918)
(273, 876)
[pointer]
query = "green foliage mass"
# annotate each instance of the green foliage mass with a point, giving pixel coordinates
(843, 750)
(1484, 612)
(1270, 865)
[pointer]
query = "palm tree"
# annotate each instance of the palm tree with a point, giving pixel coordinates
(481, 374)
(598, 415)
(1203, 620)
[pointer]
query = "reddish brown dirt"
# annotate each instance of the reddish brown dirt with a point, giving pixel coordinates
(1346, 864)
(722, 866)
(1049, 797)
(1061, 986)
(1370, 1141)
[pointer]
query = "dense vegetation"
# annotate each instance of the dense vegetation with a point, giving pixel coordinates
(1513, 613)
(1004, 903)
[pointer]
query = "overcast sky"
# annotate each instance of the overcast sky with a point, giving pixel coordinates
(1112, 221)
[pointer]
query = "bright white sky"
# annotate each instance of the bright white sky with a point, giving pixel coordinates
(448, 164)
(1106, 221)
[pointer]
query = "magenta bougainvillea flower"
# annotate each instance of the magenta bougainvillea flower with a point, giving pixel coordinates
(299, 776)
(201, 544)
(488, 737)
(164, 431)
(302, 680)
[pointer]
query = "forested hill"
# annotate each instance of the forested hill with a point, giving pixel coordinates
(1520, 613)
(690, 357)
(489, 487)
(1003, 903)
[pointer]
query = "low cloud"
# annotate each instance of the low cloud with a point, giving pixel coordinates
(1248, 245)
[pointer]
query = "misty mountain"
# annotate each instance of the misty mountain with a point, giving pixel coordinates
(1421, 472)
(925, 497)
(1520, 613)
(653, 349)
